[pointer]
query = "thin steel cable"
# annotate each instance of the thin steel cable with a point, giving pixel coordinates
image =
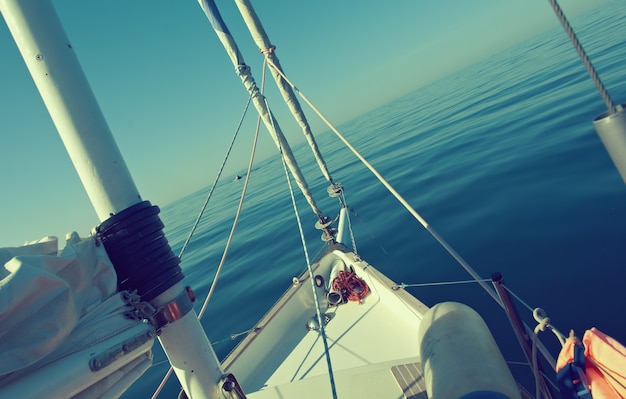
(536, 316)
(402, 285)
(219, 174)
(583, 56)
(197, 222)
(345, 202)
(234, 336)
(527, 306)
(366, 227)
(318, 311)
(228, 243)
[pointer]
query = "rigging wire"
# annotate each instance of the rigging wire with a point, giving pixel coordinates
(366, 228)
(234, 336)
(318, 311)
(416, 215)
(232, 230)
(227, 247)
(402, 285)
(583, 56)
(217, 177)
(344, 202)
(539, 315)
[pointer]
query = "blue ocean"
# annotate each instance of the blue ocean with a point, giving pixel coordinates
(502, 160)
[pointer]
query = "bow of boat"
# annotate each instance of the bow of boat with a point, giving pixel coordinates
(372, 344)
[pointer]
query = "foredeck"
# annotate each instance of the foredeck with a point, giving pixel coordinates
(382, 380)
(373, 345)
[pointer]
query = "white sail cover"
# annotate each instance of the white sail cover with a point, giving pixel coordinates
(54, 305)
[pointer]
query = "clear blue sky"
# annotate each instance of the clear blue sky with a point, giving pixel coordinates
(172, 101)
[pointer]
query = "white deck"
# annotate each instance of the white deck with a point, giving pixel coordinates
(366, 341)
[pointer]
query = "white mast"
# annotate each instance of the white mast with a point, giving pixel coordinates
(66, 93)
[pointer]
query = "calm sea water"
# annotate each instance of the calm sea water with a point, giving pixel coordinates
(500, 158)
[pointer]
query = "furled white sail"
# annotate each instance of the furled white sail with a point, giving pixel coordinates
(263, 42)
(60, 314)
(243, 70)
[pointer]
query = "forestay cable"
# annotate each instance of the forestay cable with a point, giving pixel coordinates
(403, 285)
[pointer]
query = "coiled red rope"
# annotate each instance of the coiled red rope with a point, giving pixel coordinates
(352, 287)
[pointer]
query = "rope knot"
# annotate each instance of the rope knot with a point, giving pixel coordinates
(268, 51)
(543, 321)
(334, 190)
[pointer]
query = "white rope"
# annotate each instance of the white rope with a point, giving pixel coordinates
(543, 323)
(228, 242)
(232, 230)
(546, 354)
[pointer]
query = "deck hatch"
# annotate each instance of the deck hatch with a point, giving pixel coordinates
(411, 381)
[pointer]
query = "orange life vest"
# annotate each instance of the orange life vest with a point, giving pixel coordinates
(605, 363)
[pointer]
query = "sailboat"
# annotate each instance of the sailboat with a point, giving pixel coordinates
(342, 329)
